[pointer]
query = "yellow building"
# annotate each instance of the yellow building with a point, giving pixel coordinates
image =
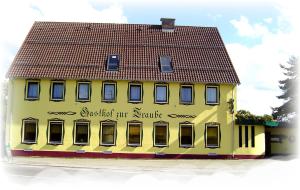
(128, 91)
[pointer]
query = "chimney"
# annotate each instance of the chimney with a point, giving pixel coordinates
(167, 24)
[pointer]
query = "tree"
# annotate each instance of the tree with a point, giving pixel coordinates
(245, 117)
(3, 106)
(288, 110)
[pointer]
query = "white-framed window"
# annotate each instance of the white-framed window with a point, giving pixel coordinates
(55, 132)
(83, 91)
(81, 132)
(57, 90)
(161, 134)
(212, 136)
(212, 94)
(32, 90)
(186, 135)
(135, 92)
(186, 94)
(109, 90)
(134, 134)
(161, 93)
(113, 62)
(108, 133)
(29, 131)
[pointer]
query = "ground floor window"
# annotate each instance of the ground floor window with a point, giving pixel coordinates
(186, 134)
(161, 134)
(240, 136)
(134, 134)
(81, 132)
(246, 136)
(29, 131)
(212, 136)
(55, 132)
(108, 133)
(252, 136)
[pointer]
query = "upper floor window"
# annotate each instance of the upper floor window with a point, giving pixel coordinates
(165, 64)
(32, 90)
(212, 136)
(83, 91)
(29, 131)
(186, 134)
(57, 90)
(161, 93)
(113, 62)
(186, 94)
(55, 132)
(212, 94)
(109, 92)
(135, 92)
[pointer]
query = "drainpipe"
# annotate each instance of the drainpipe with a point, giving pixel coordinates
(232, 116)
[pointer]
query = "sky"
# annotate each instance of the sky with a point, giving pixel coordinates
(259, 35)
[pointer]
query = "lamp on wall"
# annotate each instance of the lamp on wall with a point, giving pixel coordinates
(231, 105)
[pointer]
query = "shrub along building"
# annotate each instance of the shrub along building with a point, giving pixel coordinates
(126, 90)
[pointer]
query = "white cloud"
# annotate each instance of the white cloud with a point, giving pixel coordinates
(268, 20)
(245, 29)
(258, 66)
(17, 17)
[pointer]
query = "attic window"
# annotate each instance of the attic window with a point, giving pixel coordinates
(165, 64)
(113, 63)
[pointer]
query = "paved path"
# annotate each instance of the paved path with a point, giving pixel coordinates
(124, 173)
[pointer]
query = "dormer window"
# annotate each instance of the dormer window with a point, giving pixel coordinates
(113, 62)
(165, 64)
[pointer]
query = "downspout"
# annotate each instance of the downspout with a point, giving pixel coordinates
(232, 122)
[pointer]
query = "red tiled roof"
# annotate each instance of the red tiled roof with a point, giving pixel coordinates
(80, 50)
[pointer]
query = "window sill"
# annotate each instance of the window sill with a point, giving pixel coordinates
(57, 100)
(31, 99)
(134, 145)
(135, 102)
(212, 104)
(109, 101)
(55, 143)
(107, 144)
(83, 101)
(186, 146)
(160, 146)
(161, 102)
(28, 143)
(81, 144)
(212, 146)
(187, 103)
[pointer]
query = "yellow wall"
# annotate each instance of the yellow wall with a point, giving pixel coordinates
(258, 149)
(287, 145)
(20, 109)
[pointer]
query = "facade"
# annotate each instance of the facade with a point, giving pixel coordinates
(128, 91)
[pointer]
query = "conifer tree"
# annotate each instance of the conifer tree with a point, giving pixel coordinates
(288, 110)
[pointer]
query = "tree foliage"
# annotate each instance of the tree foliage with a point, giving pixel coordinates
(245, 117)
(289, 95)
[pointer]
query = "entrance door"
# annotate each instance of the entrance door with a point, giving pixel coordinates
(267, 144)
